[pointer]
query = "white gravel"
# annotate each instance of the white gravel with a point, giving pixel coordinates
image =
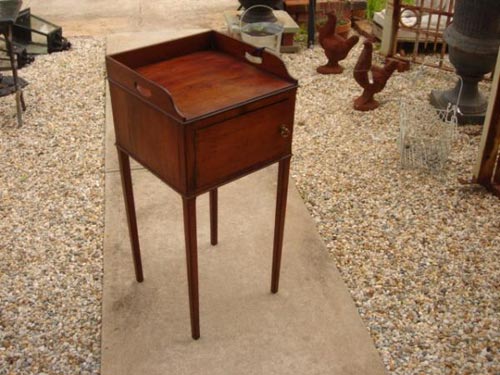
(418, 251)
(51, 216)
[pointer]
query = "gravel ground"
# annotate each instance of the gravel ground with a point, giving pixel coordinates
(418, 251)
(52, 216)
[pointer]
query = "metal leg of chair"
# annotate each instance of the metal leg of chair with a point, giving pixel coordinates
(19, 98)
(23, 104)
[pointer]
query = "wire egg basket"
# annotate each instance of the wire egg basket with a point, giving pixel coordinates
(426, 134)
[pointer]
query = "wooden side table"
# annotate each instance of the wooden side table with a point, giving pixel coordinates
(199, 112)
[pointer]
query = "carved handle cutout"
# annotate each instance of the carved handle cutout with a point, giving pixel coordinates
(143, 90)
(253, 59)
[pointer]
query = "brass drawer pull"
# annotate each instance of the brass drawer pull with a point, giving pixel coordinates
(284, 131)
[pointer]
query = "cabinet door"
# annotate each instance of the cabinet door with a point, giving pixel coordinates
(237, 146)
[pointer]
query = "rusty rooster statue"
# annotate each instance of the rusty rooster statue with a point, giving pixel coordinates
(336, 47)
(371, 78)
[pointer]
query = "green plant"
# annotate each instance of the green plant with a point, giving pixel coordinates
(373, 6)
(301, 35)
(342, 21)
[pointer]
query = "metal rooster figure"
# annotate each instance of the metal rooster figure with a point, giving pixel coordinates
(336, 47)
(371, 78)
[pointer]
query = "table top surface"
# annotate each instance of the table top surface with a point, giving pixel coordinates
(209, 81)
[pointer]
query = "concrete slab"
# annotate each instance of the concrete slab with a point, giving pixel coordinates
(88, 17)
(199, 14)
(102, 17)
(310, 327)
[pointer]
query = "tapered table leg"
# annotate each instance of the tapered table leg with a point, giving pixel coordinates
(213, 217)
(128, 196)
(279, 225)
(189, 208)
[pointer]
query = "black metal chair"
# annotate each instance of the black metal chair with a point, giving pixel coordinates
(9, 9)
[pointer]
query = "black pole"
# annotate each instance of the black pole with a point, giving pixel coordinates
(310, 25)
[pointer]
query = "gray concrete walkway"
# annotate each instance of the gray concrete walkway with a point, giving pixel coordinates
(310, 327)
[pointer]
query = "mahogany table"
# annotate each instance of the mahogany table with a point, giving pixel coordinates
(199, 112)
